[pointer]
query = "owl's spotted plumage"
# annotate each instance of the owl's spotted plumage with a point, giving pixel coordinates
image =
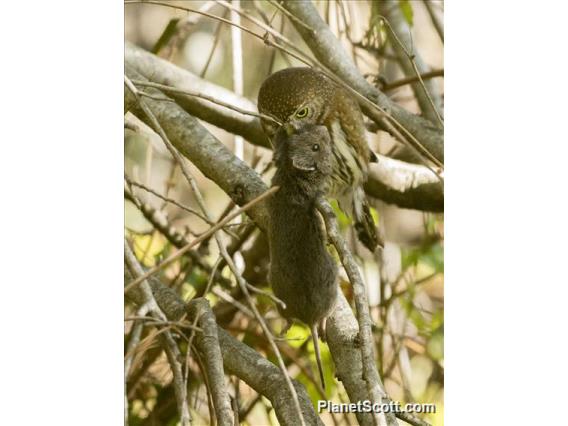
(301, 96)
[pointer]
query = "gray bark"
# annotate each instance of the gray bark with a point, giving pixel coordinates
(425, 193)
(391, 10)
(329, 51)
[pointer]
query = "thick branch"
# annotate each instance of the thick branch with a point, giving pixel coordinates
(265, 378)
(214, 160)
(144, 297)
(341, 331)
(244, 362)
(438, 23)
(365, 336)
(206, 152)
(207, 343)
(402, 45)
(406, 185)
(161, 71)
(421, 196)
(329, 51)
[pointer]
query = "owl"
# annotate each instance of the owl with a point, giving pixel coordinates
(302, 96)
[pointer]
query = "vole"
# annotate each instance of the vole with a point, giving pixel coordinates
(302, 272)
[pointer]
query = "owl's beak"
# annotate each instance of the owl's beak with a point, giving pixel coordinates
(289, 129)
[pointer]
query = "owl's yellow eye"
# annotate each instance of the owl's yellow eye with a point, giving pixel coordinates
(302, 113)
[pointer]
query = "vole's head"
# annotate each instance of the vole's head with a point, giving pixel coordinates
(304, 153)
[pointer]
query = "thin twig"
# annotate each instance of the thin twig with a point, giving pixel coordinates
(302, 57)
(190, 180)
(168, 200)
(207, 344)
(133, 341)
(156, 98)
(222, 248)
(216, 39)
(323, 42)
(237, 68)
(439, 26)
(404, 81)
(411, 419)
(411, 58)
(289, 15)
(172, 351)
(153, 321)
(174, 236)
(223, 295)
(202, 237)
(172, 89)
(269, 295)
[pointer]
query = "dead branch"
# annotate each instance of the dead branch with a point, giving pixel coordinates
(207, 343)
(329, 51)
(365, 336)
(426, 92)
(145, 297)
(421, 196)
(242, 361)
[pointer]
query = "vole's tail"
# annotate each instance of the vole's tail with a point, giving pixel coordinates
(318, 355)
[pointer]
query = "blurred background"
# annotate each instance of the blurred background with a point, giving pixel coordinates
(406, 291)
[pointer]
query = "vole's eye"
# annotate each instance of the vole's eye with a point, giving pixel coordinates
(302, 113)
(315, 147)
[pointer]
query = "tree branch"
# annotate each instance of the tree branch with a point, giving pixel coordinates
(438, 23)
(329, 51)
(244, 362)
(220, 165)
(426, 93)
(143, 295)
(207, 343)
(365, 336)
(161, 71)
(165, 73)
(341, 332)
(407, 80)
(404, 184)
(206, 152)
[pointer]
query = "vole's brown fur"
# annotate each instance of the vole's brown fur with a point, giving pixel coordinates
(302, 273)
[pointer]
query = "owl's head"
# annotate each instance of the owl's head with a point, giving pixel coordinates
(295, 96)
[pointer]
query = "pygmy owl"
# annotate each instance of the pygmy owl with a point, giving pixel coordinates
(301, 96)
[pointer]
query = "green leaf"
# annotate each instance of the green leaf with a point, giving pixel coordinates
(407, 11)
(297, 335)
(435, 257)
(435, 346)
(431, 255)
(375, 215)
(342, 219)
